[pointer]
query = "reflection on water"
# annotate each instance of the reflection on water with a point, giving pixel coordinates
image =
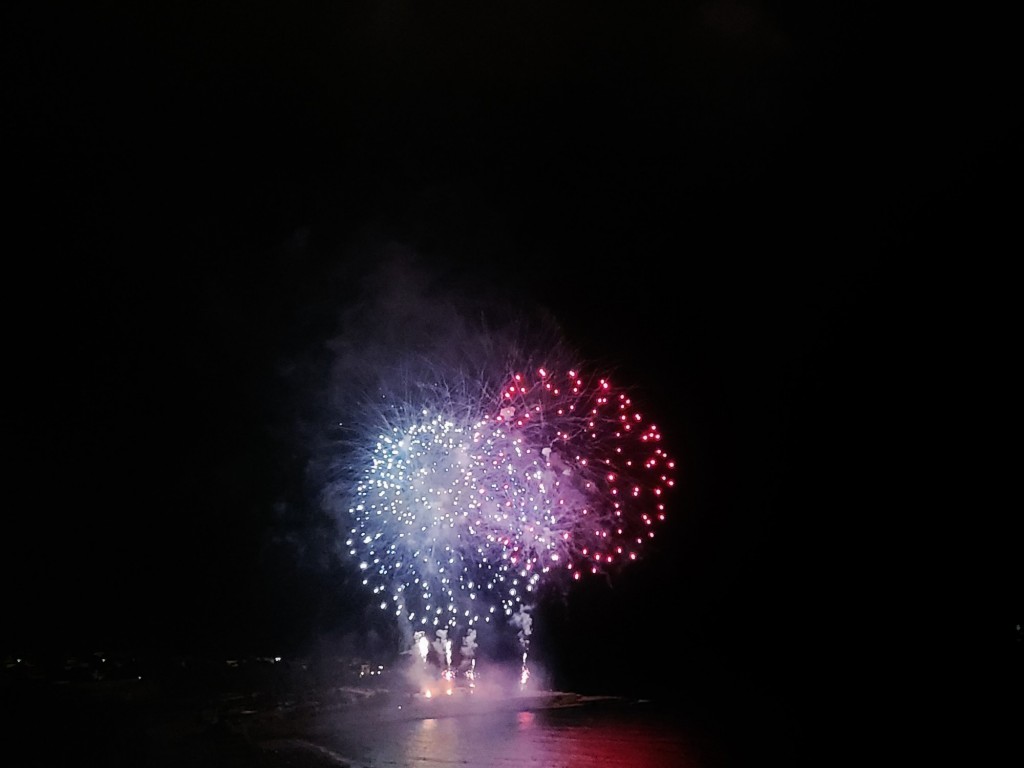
(577, 737)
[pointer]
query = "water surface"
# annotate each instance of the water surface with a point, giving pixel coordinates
(590, 736)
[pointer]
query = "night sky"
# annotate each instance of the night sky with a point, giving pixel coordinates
(791, 228)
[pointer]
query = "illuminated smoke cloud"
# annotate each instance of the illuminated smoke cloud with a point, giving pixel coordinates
(468, 648)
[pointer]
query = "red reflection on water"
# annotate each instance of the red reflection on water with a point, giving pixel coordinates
(622, 746)
(543, 740)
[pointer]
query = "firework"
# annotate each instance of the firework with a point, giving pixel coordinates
(463, 509)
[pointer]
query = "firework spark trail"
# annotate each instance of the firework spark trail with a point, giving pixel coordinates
(458, 521)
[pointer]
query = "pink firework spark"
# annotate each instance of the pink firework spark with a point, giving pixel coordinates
(587, 473)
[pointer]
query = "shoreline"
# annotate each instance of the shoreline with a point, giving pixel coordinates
(386, 706)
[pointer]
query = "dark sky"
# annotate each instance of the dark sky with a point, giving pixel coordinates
(791, 226)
